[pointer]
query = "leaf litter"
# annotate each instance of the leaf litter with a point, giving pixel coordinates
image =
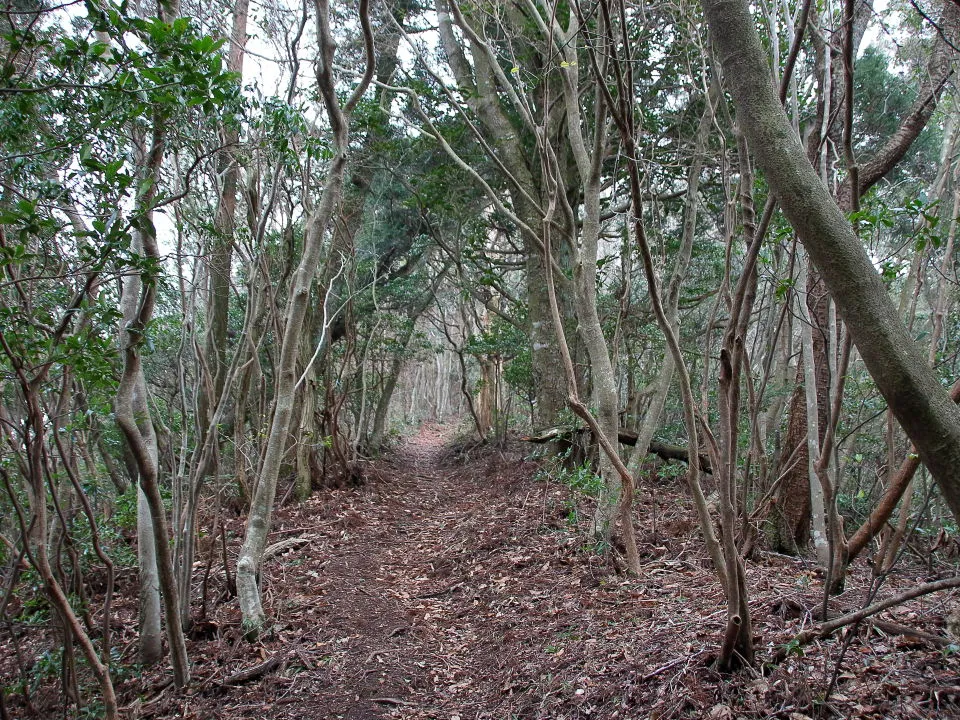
(452, 587)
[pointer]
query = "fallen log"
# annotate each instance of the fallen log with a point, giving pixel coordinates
(256, 671)
(278, 548)
(662, 450)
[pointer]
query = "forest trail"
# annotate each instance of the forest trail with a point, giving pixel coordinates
(457, 585)
(405, 598)
(400, 595)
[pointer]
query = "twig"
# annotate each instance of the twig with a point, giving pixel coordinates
(303, 659)
(438, 593)
(280, 547)
(390, 701)
(672, 663)
(892, 628)
(293, 531)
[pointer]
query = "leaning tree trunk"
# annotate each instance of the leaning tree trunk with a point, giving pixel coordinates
(132, 415)
(135, 423)
(661, 386)
(910, 387)
(615, 489)
(261, 508)
(36, 533)
(860, 178)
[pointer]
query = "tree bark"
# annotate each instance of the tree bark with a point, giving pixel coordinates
(836, 79)
(938, 71)
(220, 253)
(151, 635)
(213, 369)
(661, 386)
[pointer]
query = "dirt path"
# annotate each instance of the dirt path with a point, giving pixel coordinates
(463, 589)
(416, 587)
(390, 610)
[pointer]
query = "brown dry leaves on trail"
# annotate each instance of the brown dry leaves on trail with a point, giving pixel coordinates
(464, 587)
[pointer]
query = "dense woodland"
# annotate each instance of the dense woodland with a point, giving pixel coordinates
(249, 249)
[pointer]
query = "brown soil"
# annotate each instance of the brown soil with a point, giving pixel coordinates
(458, 585)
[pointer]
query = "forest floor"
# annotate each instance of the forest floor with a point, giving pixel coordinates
(460, 585)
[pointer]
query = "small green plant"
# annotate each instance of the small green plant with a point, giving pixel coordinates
(600, 547)
(251, 629)
(125, 510)
(92, 711)
(583, 479)
(36, 609)
(792, 648)
(47, 667)
(671, 471)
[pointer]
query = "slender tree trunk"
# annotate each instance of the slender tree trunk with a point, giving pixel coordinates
(661, 386)
(604, 384)
(261, 507)
(220, 254)
(836, 80)
(526, 190)
(813, 434)
(214, 367)
(136, 424)
(151, 635)
(622, 112)
(37, 539)
(306, 438)
(133, 417)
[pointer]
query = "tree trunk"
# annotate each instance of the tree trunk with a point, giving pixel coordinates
(526, 189)
(151, 635)
(835, 78)
(306, 438)
(789, 528)
(37, 540)
(261, 507)
(133, 418)
(661, 386)
(220, 253)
